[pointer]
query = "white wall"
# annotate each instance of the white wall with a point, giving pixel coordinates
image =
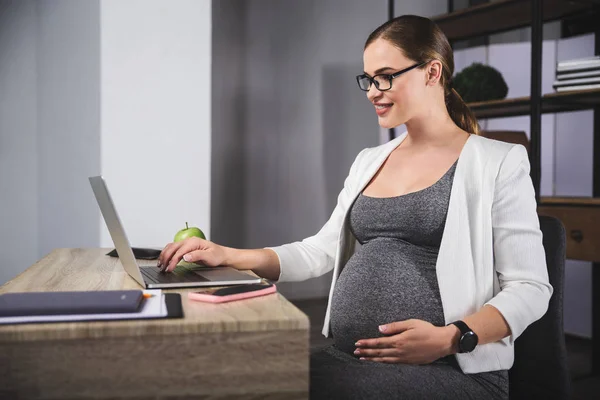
(306, 119)
(155, 150)
(18, 138)
(49, 119)
(112, 87)
(68, 99)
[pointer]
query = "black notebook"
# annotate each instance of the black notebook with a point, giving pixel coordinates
(70, 303)
(139, 253)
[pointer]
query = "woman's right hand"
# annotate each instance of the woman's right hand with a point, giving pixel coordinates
(194, 250)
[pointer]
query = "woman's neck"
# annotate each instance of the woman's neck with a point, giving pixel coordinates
(433, 129)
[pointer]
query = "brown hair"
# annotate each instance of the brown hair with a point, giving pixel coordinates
(421, 40)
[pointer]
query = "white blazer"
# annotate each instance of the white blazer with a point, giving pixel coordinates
(491, 250)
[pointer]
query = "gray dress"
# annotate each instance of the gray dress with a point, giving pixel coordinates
(392, 277)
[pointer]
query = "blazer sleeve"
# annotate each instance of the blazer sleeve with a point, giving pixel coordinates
(519, 256)
(315, 255)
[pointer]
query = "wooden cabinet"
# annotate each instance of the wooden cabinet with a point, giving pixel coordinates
(581, 218)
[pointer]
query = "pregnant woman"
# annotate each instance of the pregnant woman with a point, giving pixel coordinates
(450, 269)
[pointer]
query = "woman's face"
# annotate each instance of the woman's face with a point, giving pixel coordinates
(399, 104)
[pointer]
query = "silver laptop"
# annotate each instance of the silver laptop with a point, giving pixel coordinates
(151, 277)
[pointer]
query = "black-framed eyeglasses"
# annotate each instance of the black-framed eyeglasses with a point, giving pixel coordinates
(382, 82)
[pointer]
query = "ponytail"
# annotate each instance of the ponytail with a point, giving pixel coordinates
(460, 113)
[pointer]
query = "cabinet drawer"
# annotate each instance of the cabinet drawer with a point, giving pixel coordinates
(582, 225)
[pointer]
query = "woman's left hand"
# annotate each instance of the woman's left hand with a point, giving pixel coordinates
(409, 342)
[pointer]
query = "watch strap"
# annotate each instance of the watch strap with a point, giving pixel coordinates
(465, 332)
(464, 328)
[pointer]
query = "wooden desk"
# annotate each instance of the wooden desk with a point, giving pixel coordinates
(253, 349)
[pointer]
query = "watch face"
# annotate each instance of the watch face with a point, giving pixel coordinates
(468, 341)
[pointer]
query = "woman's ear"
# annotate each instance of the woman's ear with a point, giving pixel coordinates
(434, 72)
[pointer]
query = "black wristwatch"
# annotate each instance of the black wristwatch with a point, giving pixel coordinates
(468, 339)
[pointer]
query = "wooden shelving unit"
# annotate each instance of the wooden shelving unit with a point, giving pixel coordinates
(581, 216)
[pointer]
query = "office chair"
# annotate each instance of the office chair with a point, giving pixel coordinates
(540, 370)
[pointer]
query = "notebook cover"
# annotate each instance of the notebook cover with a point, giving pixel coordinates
(69, 303)
(172, 302)
(139, 253)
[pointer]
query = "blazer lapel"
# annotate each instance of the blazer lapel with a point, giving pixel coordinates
(454, 257)
(370, 171)
(345, 235)
(378, 162)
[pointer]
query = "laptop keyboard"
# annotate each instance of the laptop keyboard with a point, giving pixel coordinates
(154, 275)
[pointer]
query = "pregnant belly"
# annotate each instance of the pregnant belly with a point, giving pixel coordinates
(387, 280)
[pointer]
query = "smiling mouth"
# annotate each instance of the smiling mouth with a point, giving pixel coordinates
(382, 109)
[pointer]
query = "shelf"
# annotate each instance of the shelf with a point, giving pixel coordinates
(569, 201)
(501, 108)
(571, 100)
(503, 15)
(551, 103)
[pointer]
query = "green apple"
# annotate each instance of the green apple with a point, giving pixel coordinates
(189, 232)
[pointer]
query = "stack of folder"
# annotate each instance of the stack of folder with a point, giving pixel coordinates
(578, 74)
(36, 307)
